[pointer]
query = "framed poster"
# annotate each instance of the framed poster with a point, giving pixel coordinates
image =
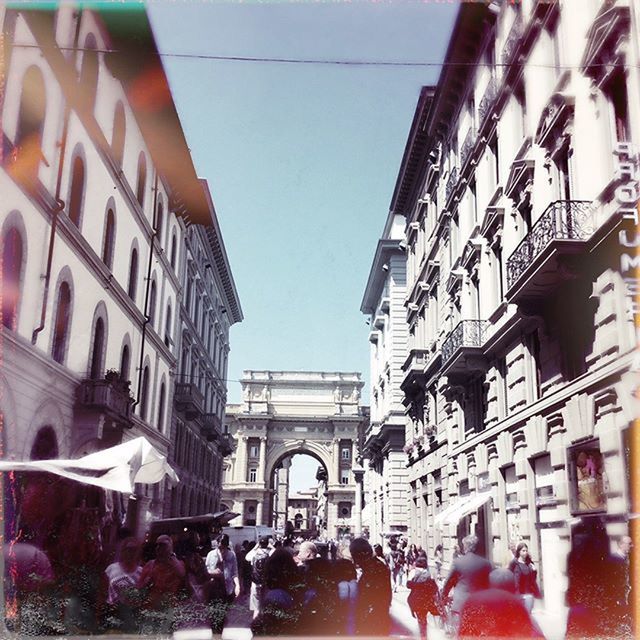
(587, 478)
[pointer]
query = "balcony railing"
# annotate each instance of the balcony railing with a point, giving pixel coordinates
(212, 426)
(513, 40)
(108, 395)
(226, 445)
(468, 333)
(189, 398)
(417, 359)
(488, 100)
(562, 220)
(467, 145)
(451, 182)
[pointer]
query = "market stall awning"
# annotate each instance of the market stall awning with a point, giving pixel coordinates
(117, 468)
(465, 506)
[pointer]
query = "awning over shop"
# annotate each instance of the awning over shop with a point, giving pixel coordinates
(117, 468)
(464, 507)
(445, 513)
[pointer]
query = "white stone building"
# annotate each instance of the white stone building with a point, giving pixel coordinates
(91, 180)
(521, 328)
(383, 442)
(209, 306)
(294, 412)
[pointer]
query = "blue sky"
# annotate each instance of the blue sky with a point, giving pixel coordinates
(301, 159)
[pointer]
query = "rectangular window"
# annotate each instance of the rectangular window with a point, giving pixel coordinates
(533, 344)
(253, 451)
(616, 92)
(503, 385)
(563, 176)
(493, 148)
(344, 476)
(253, 474)
(346, 453)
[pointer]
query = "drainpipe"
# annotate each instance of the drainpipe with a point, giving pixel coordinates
(60, 205)
(146, 292)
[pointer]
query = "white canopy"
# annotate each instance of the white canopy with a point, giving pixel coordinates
(463, 507)
(117, 468)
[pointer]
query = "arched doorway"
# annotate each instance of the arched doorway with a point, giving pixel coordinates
(298, 491)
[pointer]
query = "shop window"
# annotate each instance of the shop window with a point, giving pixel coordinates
(587, 478)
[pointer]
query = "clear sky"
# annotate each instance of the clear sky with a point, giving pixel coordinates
(301, 159)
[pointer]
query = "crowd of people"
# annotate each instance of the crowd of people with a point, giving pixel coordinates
(296, 587)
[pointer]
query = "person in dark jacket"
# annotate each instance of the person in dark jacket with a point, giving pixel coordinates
(525, 574)
(423, 597)
(497, 612)
(374, 591)
(469, 573)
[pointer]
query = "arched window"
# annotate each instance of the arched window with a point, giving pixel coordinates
(159, 220)
(45, 446)
(28, 140)
(142, 179)
(167, 326)
(98, 350)
(89, 71)
(76, 195)
(61, 324)
(133, 275)
(124, 362)
(161, 407)
(152, 304)
(173, 250)
(119, 130)
(144, 393)
(109, 239)
(11, 274)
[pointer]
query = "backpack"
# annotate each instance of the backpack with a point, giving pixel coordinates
(258, 565)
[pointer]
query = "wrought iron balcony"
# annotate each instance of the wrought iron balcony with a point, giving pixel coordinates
(467, 145)
(451, 183)
(212, 426)
(563, 228)
(468, 335)
(513, 40)
(110, 396)
(189, 399)
(226, 445)
(488, 100)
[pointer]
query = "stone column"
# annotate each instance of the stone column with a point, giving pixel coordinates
(336, 459)
(241, 469)
(263, 459)
(259, 513)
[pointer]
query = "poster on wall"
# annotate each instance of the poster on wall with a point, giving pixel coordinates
(588, 478)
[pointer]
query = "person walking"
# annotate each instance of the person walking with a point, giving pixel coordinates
(258, 558)
(469, 573)
(374, 591)
(423, 597)
(525, 576)
(229, 569)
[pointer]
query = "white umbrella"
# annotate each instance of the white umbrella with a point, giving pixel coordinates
(117, 468)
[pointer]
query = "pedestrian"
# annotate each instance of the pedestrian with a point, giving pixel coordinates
(347, 584)
(374, 591)
(122, 595)
(424, 596)
(410, 557)
(525, 576)
(438, 561)
(469, 573)
(229, 569)
(258, 558)
(379, 554)
(397, 555)
(163, 581)
(281, 606)
(621, 580)
(497, 612)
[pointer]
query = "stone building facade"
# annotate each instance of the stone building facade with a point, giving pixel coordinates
(519, 189)
(95, 188)
(284, 413)
(383, 442)
(209, 306)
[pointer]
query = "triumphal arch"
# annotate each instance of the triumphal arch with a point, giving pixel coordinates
(284, 413)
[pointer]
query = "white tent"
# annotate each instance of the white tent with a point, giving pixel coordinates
(117, 468)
